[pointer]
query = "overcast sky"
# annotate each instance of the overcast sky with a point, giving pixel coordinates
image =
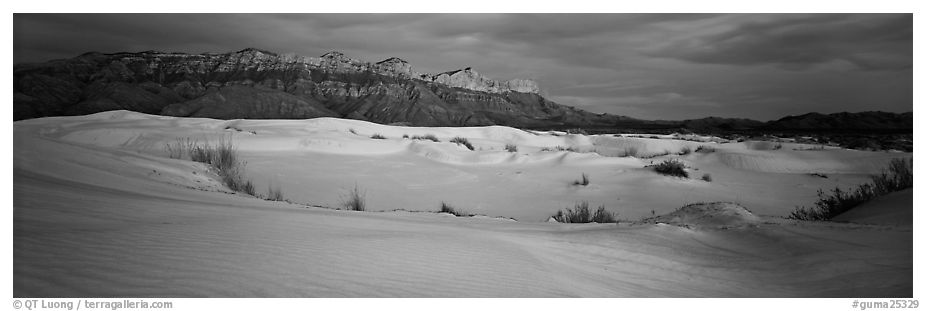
(657, 66)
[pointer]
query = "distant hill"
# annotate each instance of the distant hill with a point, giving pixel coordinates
(859, 121)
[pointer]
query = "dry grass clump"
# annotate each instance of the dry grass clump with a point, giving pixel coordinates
(897, 176)
(705, 149)
(223, 157)
(274, 193)
(430, 137)
(356, 200)
(511, 148)
(462, 141)
(581, 214)
(582, 182)
(671, 167)
(447, 208)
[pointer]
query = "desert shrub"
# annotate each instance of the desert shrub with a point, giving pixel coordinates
(512, 148)
(557, 148)
(653, 155)
(897, 176)
(355, 200)
(430, 137)
(378, 136)
(352, 131)
(777, 146)
(462, 141)
(582, 182)
(581, 214)
(180, 147)
(274, 193)
(707, 178)
(223, 156)
(671, 167)
(836, 202)
(447, 208)
(685, 150)
(705, 149)
(405, 136)
(603, 216)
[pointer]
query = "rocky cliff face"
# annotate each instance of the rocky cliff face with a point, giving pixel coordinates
(254, 83)
(471, 80)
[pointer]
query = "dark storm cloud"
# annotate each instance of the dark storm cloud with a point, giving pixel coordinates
(871, 42)
(655, 66)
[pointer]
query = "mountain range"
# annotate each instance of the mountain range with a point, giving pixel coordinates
(258, 84)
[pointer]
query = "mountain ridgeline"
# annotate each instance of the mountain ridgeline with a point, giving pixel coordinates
(257, 84)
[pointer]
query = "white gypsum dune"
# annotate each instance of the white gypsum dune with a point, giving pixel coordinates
(101, 210)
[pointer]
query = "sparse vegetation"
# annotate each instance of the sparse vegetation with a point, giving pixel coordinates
(447, 208)
(355, 200)
(897, 176)
(462, 141)
(224, 158)
(707, 178)
(671, 167)
(378, 136)
(430, 137)
(557, 148)
(582, 182)
(180, 147)
(653, 155)
(239, 129)
(685, 150)
(274, 193)
(511, 148)
(581, 214)
(705, 149)
(352, 131)
(405, 136)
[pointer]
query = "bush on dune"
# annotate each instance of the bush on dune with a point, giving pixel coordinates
(274, 193)
(685, 150)
(223, 157)
(581, 214)
(705, 149)
(430, 137)
(447, 208)
(462, 141)
(897, 176)
(180, 148)
(355, 200)
(511, 148)
(671, 167)
(583, 182)
(378, 136)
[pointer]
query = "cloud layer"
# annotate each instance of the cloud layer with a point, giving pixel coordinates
(653, 66)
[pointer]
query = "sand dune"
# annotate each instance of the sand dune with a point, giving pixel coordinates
(99, 210)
